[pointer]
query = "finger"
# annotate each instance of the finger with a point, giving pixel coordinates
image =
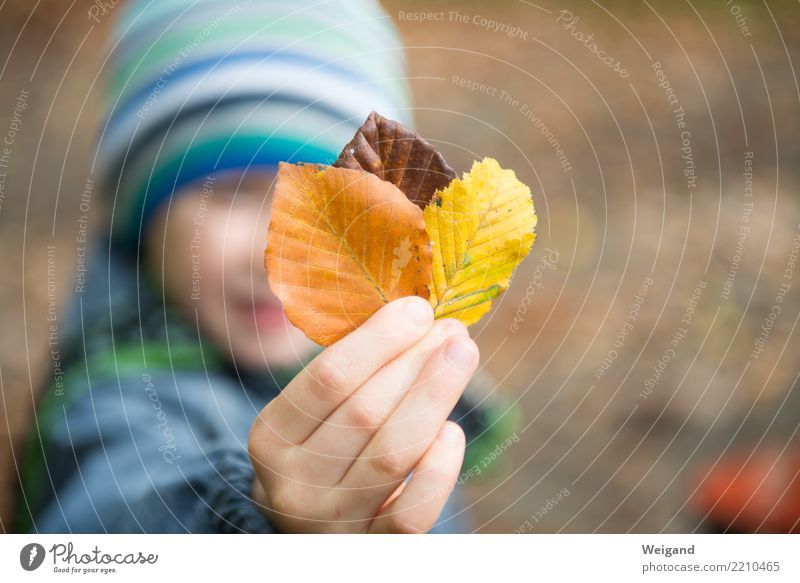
(336, 444)
(344, 366)
(398, 446)
(420, 503)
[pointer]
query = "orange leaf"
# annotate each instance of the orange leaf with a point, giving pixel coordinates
(341, 244)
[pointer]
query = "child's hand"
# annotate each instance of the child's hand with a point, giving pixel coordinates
(332, 451)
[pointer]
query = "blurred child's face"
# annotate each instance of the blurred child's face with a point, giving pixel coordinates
(207, 247)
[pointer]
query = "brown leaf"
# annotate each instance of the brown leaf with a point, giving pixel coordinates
(341, 244)
(398, 155)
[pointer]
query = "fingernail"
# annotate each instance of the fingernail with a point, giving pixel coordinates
(460, 352)
(450, 433)
(418, 310)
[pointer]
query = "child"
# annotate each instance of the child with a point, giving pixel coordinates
(189, 403)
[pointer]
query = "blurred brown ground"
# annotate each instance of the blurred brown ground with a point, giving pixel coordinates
(621, 214)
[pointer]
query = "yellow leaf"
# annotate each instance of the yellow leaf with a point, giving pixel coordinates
(481, 226)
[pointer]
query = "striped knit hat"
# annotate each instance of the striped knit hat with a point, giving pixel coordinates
(204, 86)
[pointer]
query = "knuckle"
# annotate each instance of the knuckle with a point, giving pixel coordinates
(254, 447)
(257, 439)
(263, 460)
(391, 464)
(282, 498)
(365, 413)
(267, 450)
(262, 431)
(326, 379)
(254, 434)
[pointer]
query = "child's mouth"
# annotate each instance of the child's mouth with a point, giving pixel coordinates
(269, 316)
(265, 315)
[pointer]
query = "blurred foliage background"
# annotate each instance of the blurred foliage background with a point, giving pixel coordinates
(620, 213)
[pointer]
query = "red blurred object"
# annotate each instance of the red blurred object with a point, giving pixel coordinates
(760, 494)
